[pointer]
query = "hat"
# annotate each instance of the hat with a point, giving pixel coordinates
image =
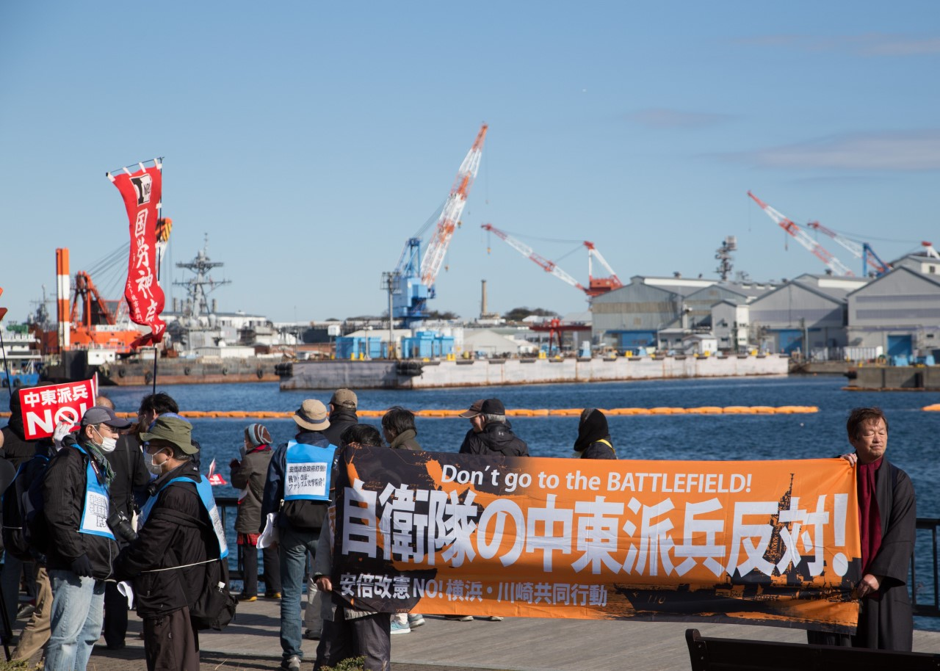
(257, 435)
(174, 430)
(101, 415)
(493, 406)
(312, 415)
(346, 398)
(474, 410)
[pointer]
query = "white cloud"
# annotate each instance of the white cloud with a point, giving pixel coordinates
(886, 151)
(662, 118)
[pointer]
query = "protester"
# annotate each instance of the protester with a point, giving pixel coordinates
(299, 519)
(398, 427)
(167, 560)
(887, 526)
(343, 405)
(249, 475)
(475, 414)
(496, 437)
(594, 440)
(17, 451)
(154, 405)
(35, 635)
(82, 547)
(130, 477)
(351, 633)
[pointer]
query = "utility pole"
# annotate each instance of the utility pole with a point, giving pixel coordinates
(389, 284)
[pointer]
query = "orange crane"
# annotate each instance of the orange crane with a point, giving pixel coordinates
(596, 285)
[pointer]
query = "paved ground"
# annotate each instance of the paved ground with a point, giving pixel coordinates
(517, 644)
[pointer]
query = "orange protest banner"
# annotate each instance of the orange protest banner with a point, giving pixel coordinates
(757, 542)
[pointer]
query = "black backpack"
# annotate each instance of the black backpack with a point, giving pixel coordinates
(25, 532)
(215, 606)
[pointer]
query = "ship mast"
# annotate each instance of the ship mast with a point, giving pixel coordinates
(196, 306)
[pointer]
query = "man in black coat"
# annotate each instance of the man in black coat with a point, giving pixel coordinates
(167, 561)
(130, 478)
(81, 545)
(497, 437)
(887, 526)
(343, 406)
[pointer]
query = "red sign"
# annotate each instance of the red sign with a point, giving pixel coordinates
(44, 407)
(141, 192)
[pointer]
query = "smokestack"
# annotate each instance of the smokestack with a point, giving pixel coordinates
(63, 289)
(483, 310)
(215, 305)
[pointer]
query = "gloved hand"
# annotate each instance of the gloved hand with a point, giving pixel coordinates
(81, 566)
(62, 429)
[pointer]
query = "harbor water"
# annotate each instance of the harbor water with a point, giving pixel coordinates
(913, 438)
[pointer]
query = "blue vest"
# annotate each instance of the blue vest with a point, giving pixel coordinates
(307, 472)
(95, 510)
(204, 489)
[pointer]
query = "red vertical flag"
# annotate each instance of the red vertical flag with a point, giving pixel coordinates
(141, 192)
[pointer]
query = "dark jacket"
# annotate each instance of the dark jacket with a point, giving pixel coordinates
(170, 537)
(497, 439)
(593, 436)
(130, 474)
(304, 515)
(249, 475)
(15, 446)
(406, 441)
(340, 420)
(63, 493)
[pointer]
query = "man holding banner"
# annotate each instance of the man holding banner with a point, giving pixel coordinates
(82, 545)
(887, 516)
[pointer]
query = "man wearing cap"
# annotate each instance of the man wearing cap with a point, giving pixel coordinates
(82, 545)
(301, 503)
(343, 406)
(494, 436)
(180, 532)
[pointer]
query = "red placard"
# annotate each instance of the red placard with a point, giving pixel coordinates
(44, 407)
(141, 192)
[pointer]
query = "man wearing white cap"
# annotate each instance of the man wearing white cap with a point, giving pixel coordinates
(297, 489)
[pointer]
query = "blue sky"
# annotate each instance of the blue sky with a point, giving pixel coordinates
(309, 140)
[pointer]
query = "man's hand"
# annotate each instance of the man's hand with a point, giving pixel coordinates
(62, 429)
(851, 458)
(869, 584)
(81, 566)
(324, 584)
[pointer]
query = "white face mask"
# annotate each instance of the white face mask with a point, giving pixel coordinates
(106, 444)
(152, 466)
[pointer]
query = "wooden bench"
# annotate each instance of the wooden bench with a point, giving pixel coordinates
(728, 654)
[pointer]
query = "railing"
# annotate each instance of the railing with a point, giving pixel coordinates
(919, 564)
(930, 524)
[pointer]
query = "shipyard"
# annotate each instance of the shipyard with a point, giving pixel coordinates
(439, 337)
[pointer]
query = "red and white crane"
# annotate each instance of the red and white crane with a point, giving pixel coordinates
(450, 214)
(834, 264)
(596, 285)
(857, 249)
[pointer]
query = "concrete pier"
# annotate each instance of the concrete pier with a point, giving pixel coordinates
(390, 374)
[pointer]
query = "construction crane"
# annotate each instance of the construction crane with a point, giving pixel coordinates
(411, 284)
(596, 285)
(834, 264)
(861, 250)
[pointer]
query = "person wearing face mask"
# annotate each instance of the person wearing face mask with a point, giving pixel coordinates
(177, 537)
(130, 480)
(248, 475)
(82, 544)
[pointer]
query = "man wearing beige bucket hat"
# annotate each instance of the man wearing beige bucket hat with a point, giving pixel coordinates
(300, 506)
